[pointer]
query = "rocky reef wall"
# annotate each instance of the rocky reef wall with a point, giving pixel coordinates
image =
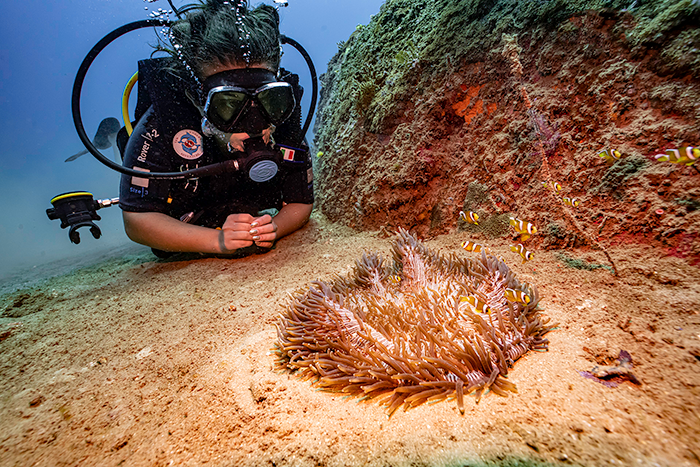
(443, 105)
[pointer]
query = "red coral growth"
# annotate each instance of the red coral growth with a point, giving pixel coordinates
(461, 107)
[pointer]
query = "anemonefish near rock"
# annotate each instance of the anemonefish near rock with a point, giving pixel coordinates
(610, 155)
(517, 296)
(520, 249)
(687, 155)
(470, 218)
(478, 305)
(525, 229)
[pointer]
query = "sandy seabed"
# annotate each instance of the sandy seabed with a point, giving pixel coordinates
(139, 361)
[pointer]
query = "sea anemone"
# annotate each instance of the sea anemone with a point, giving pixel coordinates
(403, 334)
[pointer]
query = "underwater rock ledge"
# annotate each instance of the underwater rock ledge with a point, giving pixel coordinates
(428, 100)
(403, 335)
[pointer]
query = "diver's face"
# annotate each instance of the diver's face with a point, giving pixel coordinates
(253, 124)
(245, 99)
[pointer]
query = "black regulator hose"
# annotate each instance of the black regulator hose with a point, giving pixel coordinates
(78, 120)
(227, 166)
(314, 81)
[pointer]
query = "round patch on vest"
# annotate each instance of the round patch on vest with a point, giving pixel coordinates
(263, 171)
(188, 144)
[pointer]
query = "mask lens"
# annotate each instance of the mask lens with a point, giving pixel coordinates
(278, 102)
(224, 107)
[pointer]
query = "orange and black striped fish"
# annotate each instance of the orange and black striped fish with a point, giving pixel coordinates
(394, 279)
(478, 305)
(687, 155)
(610, 155)
(525, 229)
(574, 202)
(470, 218)
(513, 295)
(520, 249)
(475, 247)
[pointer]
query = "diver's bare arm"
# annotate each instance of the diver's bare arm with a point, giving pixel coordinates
(292, 217)
(161, 231)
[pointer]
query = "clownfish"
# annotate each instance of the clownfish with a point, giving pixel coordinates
(525, 229)
(472, 218)
(574, 202)
(544, 184)
(471, 246)
(513, 295)
(610, 155)
(477, 304)
(319, 154)
(520, 249)
(394, 279)
(557, 187)
(686, 155)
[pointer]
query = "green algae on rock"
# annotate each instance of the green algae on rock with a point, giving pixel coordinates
(398, 333)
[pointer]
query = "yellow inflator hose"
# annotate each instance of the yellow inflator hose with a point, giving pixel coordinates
(125, 102)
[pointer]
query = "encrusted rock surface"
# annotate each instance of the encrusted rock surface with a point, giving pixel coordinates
(423, 114)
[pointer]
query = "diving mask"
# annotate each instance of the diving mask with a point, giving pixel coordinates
(247, 100)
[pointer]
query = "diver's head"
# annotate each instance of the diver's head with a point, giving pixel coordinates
(225, 33)
(245, 104)
(246, 100)
(233, 54)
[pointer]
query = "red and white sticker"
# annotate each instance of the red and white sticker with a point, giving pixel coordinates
(188, 144)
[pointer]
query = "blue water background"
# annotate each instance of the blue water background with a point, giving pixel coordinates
(41, 47)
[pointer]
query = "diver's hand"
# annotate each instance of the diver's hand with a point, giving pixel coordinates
(236, 233)
(236, 142)
(264, 231)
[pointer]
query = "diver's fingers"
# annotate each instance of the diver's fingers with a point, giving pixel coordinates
(237, 235)
(263, 220)
(265, 235)
(240, 221)
(241, 217)
(268, 237)
(267, 135)
(264, 229)
(231, 240)
(236, 141)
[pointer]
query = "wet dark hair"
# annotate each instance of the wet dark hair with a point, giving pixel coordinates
(220, 32)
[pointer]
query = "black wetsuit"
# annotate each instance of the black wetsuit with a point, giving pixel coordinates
(168, 138)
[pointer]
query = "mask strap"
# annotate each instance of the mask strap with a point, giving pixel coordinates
(195, 102)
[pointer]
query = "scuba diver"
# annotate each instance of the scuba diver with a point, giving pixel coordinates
(218, 161)
(220, 96)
